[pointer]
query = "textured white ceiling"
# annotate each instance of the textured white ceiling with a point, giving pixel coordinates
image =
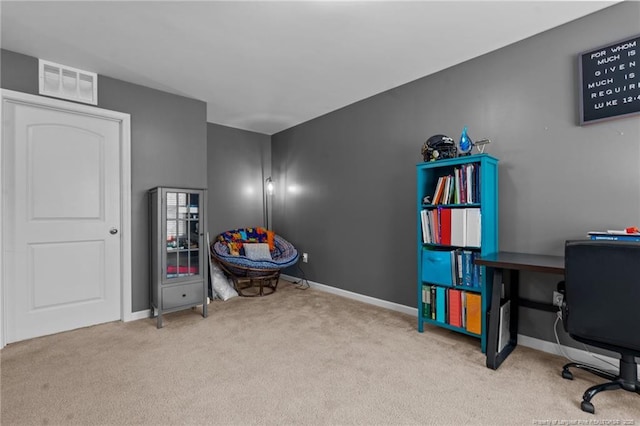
(266, 66)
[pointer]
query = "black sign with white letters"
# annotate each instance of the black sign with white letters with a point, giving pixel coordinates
(610, 81)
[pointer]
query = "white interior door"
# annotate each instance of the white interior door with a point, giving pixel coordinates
(61, 219)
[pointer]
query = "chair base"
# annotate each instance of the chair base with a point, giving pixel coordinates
(627, 380)
(251, 282)
(256, 286)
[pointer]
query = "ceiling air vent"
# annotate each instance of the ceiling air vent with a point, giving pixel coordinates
(65, 82)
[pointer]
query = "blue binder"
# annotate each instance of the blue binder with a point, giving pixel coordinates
(441, 303)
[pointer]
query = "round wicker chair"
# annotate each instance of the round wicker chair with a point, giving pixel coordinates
(252, 277)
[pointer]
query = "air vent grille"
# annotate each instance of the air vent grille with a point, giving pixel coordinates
(65, 82)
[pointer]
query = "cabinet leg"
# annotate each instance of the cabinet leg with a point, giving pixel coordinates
(205, 307)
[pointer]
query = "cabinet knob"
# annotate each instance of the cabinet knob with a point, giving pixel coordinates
(113, 231)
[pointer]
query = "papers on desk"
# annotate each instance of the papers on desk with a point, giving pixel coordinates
(505, 323)
(621, 232)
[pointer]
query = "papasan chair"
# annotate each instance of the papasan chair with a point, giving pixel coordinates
(253, 259)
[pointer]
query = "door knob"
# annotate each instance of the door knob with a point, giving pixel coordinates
(113, 231)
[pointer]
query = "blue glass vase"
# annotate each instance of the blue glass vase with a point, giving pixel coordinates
(465, 144)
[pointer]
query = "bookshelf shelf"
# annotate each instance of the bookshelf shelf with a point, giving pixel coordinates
(432, 245)
(457, 222)
(451, 327)
(433, 206)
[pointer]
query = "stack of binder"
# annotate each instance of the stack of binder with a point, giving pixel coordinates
(453, 306)
(612, 235)
(447, 226)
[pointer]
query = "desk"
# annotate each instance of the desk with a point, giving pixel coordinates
(508, 266)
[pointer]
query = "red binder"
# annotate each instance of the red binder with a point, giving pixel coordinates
(455, 307)
(445, 226)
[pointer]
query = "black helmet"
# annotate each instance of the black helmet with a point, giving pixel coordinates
(438, 147)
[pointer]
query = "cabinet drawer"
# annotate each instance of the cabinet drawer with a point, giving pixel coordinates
(182, 295)
(438, 267)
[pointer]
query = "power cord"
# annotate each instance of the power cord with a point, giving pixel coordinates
(302, 283)
(555, 332)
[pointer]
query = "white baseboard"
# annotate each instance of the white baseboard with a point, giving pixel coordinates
(133, 316)
(578, 355)
(603, 362)
(356, 296)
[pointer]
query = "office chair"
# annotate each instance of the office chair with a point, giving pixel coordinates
(602, 290)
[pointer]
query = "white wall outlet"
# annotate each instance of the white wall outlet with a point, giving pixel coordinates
(305, 257)
(558, 298)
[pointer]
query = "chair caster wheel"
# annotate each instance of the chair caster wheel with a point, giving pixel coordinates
(587, 407)
(566, 374)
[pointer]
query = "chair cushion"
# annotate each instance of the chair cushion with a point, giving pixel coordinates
(257, 251)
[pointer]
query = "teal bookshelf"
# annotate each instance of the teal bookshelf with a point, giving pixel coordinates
(453, 293)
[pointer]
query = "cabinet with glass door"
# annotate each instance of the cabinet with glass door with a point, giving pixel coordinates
(178, 251)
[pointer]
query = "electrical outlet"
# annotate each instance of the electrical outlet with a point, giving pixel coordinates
(305, 257)
(557, 298)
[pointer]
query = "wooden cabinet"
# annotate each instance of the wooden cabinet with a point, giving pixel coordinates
(457, 220)
(178, 250)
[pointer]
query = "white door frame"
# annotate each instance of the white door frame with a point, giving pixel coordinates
(126, 313)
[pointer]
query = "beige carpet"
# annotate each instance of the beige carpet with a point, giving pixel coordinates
(295, 357)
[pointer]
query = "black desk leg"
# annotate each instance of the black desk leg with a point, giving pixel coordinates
(512, 293)
(495, 358)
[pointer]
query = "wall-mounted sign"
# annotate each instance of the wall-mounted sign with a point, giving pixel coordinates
(610, 81)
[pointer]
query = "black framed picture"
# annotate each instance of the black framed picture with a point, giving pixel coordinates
(610, 81)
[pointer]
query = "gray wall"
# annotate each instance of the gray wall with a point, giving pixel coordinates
(238, 163)
(350, 177)
(345, 182)
(168, 146)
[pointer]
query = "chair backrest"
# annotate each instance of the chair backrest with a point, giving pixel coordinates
(602, 284)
